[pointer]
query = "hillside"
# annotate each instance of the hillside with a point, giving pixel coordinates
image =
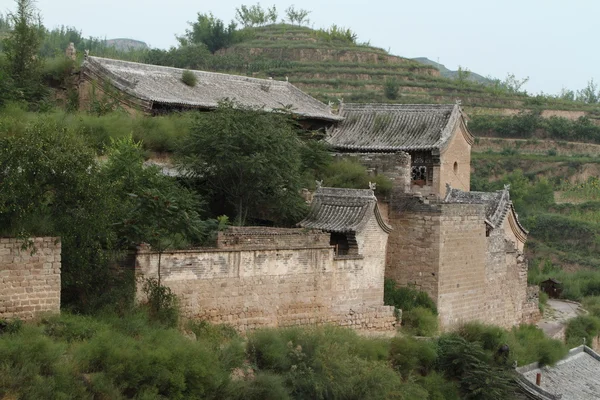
(332, 67)
(448, 73)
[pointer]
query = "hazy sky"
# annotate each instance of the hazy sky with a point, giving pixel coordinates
(553, 42)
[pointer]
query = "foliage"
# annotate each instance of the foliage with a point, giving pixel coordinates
(589, 94)
(468, 363)
(255, 15)
(322, 363)
(391, 88)
(348, 173)
(337, 34)
(249, 158)
(163, 305)
(211, 32)
(297, 16)
(189, 78)
(410, 356)
(583, 327)
(420, 321)
(56, 71)
(406, 298)
(21, 49)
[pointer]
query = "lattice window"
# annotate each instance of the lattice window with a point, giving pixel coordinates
(419, 173)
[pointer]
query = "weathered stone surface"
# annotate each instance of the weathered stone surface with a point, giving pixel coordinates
(300, 282)
(29, 278)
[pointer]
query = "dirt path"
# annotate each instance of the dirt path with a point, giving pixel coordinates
(556, 315)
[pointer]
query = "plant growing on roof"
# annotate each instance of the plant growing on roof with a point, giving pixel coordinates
(189, 78)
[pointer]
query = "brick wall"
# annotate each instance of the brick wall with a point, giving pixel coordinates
(443, 250)
(257, 287)
(462, 283)
(29, 283)
(267, 237)
(459, 152)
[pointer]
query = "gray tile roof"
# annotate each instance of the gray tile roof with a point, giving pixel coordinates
(393, 127)
(497, 204)
(163, 85)
(342, 210)
(577, 377)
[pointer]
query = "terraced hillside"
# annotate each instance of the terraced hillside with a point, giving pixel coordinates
(332, 67)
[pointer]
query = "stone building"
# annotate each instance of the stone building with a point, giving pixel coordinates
(434, 136)
(154, 89)
(266, 277)
(463, 248)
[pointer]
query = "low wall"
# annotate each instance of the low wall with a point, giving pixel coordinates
(29, 278)
(250, 288)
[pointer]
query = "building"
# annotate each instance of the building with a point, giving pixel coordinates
(576, 377)
(465, 249)
(154, 89)
(268, 277)
(435, 136)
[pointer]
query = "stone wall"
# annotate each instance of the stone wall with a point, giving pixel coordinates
(291, 284)
(455, 164)
(443, 249)
(29, 282)
(462, 272)
(414, 244)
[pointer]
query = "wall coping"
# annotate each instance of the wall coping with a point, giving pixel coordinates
(234, 250)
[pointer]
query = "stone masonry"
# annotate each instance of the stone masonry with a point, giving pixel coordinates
(274, 277)
(29, 278)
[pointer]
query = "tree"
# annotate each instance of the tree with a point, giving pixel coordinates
(250, 159)
(297, 16)
(390, 88)
(210, 31)
(513, 84)
(255, 15)
(21, 49)
(463, 75)
(589, 94)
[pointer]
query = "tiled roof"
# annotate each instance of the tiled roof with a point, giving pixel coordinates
(497, 204)
(577, 377)
(342, 210)
(393, 127)
(163, 85)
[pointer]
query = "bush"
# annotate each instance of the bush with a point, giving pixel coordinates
(189, 78)
(406, 298)
(391, 88)
(529, 344)
(411, 356)
(347, 173)
(420, 321)
(163, 305)
(491, 337)
(70, 328)
(325, 362)
(582, 327)
(439, 388)
(57, 70)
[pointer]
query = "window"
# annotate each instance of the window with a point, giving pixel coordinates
(345, 243)
(455, 167)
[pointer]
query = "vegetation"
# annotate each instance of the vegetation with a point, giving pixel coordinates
(130, 355)
(189, 78)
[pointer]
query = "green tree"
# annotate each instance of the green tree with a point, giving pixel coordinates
(297, 16)
(249, 158)
(21, 50)
(463, 75)
(255, 15)
(211, 32)
(589, 94)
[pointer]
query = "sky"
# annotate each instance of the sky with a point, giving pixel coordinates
(551, 42)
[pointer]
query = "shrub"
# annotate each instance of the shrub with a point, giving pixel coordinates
(406, 298)
(582, 327)
(162, 303)
(529, 344)
(189, 78)
(491, 337)
(347, 173)
(264, 386)
(57, 70)
(439, 388)
(72, 328)
(391, 88)
(409, 356)
(420, 321)
(543, 300)
(469, 365)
